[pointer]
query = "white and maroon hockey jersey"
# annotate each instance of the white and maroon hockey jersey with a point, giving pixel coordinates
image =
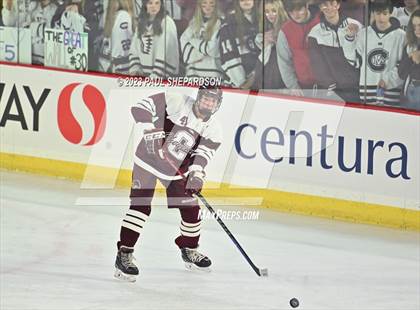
(190, 140)
(379, 59)
(115, 50)
(155, 55)
(201, 57)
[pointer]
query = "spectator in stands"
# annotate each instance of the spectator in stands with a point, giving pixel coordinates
(42, 11)
(69, 16)
(154, 49)
(238, 50)
(200, 41)
(379, 80)
(181, 11)
(403, 13)
(226, 7)
(40, 16)
(292, 46)
(267, 70)
(118, 33)
(409, 68)
(94, 11)
(332, 45)
(15, 13)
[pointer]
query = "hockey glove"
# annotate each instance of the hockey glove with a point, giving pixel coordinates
(195, 181)
(154, 139)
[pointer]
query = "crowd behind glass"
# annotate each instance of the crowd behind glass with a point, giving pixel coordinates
(357, 51)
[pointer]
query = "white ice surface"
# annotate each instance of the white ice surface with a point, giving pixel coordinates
(58, 255)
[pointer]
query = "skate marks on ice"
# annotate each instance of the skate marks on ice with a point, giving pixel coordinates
(58, 255)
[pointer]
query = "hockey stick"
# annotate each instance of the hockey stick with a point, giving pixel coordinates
(262, 272)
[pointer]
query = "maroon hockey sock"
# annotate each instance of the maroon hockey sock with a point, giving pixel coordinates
(190, 228)
(132, 225)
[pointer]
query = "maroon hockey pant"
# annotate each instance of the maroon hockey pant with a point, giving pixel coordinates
(142, 191)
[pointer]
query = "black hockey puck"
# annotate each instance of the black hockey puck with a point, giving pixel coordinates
(294, 303)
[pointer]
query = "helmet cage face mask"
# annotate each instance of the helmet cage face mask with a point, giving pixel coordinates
(210, 93)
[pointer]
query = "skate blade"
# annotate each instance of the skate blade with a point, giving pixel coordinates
(192, 267)
(124, 277)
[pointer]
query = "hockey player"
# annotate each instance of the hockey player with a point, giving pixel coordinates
(178, 131)
(379, 80)
(200, 41)
(154, 49)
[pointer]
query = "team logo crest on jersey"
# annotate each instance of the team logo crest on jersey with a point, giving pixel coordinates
(377, 59)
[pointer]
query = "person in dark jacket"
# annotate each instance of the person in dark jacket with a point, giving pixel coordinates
(409, 68)
(238, 50)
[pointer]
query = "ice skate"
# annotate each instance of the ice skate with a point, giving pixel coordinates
(194, 260)
(125, 269)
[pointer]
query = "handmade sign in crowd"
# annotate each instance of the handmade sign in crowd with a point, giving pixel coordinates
(66, 49)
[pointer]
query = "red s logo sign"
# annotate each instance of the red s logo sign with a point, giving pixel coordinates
(69, 126)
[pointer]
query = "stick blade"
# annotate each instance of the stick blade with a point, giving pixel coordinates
(263, 272)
